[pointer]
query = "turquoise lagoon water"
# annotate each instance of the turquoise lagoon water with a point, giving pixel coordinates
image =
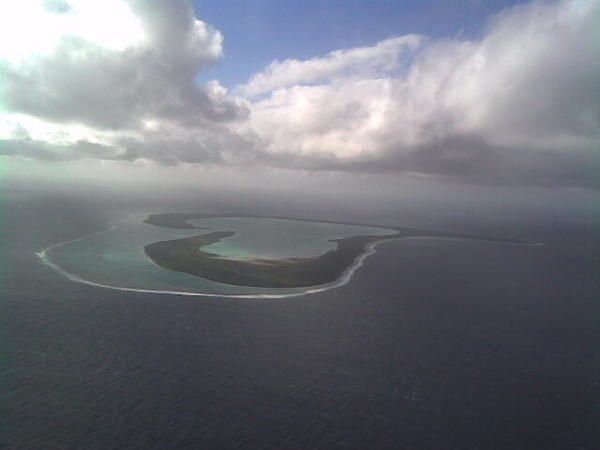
(116, 258)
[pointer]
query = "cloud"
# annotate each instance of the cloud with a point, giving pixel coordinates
(135, 60)
(116, 80)
(42, 150)
(110, 73)
(522, 104)
(382, 58)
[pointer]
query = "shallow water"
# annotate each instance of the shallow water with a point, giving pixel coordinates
(279, 238)
(116, 257)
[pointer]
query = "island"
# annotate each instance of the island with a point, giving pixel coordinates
(186, 255)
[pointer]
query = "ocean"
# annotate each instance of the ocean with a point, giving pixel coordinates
(433, 344)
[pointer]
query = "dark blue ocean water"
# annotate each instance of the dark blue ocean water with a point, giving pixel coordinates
(433, 345)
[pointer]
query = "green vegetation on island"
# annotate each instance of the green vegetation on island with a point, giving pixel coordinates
(186, 255)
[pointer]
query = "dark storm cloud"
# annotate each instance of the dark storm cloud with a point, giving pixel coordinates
(466, 158)
(473, 159)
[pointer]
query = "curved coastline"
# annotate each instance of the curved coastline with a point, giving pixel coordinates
(343, 279)
(186, 255)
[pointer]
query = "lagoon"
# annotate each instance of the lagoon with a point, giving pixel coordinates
(116, 258)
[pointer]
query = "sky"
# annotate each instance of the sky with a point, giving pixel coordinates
(494, 93)
(258, 32)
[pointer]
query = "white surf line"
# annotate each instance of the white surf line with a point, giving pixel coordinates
(43, 256)
(344, 279)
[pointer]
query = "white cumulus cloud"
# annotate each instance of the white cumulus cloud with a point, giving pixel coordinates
(382, 58)
(523, 98)
(114, 69)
